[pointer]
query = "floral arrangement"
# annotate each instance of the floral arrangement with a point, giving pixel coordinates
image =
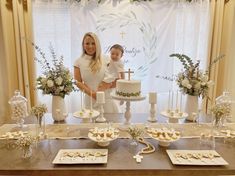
(25, 144)
(192, 80)
(221, 110)
(135, 132)
(56, 79)
(25, 141)
(39, 111)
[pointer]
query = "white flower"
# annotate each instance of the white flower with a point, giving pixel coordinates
(44, 80)
(185, 82)
(197, 86)
(69, 76)
(204, 78)
(61, 88)
(189, 86)
(50, 83)
(58, 81)
(203, 83)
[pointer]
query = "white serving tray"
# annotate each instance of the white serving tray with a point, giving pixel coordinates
(59, 159)
(217, 161)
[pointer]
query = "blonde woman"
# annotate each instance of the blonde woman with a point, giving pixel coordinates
(89, 72)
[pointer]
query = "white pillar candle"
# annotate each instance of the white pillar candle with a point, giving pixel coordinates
(169, 97)
(91, 101)
(176, 104)
(172, 100)
(153, 97)
(100, 98)
(181, 102)
(81, 99)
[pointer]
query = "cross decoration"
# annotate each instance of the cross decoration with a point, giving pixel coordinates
(129, 74)
(138, 158)
(122, 34)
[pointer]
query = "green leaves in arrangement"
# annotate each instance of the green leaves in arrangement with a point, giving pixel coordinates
(192, 80)
(56, 78)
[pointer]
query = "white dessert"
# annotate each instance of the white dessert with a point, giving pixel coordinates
(164, 134)
(128, 88)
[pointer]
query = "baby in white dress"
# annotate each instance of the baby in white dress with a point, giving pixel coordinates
(115, 68)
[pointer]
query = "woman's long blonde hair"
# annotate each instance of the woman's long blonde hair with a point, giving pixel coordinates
(96, 61)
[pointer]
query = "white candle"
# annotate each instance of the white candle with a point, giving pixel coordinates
(169, 97)
(152, 97)
(172, 100)
(100, 97)
(176, 104)
(180, 102)
(44, 125)
(81, 99)
(91, 101)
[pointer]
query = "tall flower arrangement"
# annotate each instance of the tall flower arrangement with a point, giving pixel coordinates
(191, 80)
(56, 79)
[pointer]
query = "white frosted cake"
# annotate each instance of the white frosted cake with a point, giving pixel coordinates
(128, 88)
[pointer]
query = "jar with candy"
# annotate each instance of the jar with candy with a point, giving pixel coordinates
(18, 105)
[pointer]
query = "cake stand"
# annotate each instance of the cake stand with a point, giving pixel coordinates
(85, 115)
(174, 118)
(128, 100)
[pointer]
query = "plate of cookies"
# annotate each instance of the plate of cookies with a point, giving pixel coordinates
(103, 136)
(164, 135)
(195, 157)
(14, 135)
(81, 156)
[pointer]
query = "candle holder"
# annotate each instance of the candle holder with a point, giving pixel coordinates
(101, 118)
(152, 117)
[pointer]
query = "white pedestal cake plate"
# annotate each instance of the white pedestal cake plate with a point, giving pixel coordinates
(175, 118)
(86, 118)
(128, 100)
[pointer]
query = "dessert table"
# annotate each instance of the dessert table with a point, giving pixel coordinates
(120, 155)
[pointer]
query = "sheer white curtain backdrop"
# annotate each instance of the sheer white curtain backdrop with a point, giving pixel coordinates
(149, 32)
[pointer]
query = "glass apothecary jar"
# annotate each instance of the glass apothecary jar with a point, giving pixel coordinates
(19, 110)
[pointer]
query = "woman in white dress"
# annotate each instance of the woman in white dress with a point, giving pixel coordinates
(89, 72)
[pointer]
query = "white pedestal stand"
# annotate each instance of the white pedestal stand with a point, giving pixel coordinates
(152, 117)
(174, 115)
(128, 100)
(101, 118)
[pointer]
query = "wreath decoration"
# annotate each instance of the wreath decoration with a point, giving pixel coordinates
(148, 31)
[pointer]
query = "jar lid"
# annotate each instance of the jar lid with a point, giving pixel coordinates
(17, 98)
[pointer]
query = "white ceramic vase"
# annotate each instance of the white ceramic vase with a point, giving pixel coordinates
(59, 112)
(191, 107)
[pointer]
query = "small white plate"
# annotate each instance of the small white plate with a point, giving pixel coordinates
(192, 161)
(85, 114)
(60, 159)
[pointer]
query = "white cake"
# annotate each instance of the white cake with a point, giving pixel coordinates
(128, 88)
